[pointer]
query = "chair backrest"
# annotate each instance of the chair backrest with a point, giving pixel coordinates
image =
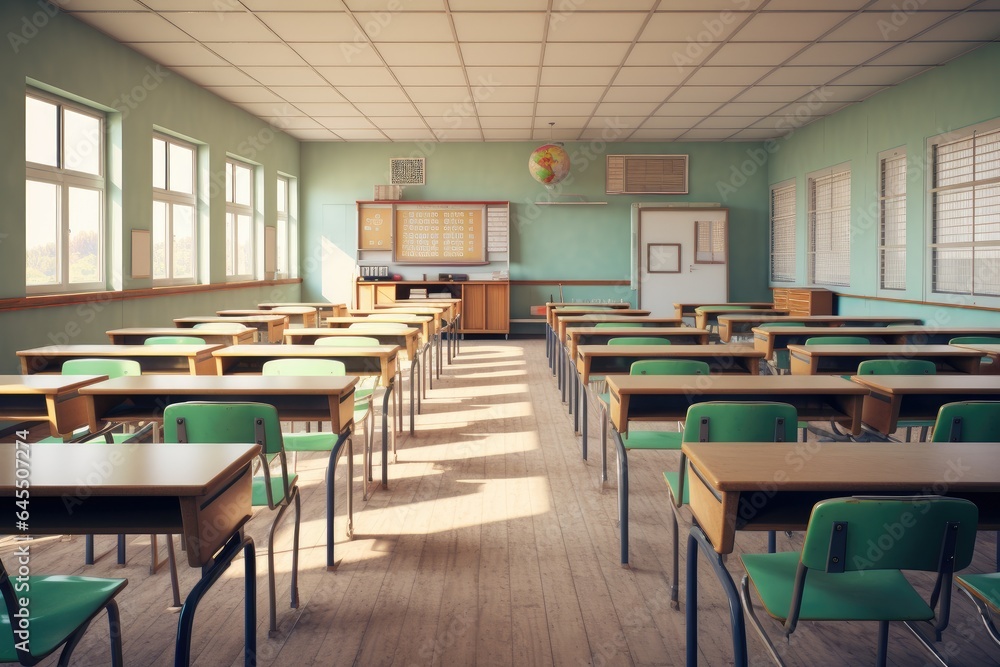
(744, 421)
(221, 327)
(293, 366)
(346, 341)
(616, 325)
(897, 533)
(584, 308)
(778, 325)
(174, 340)
(837, 340)
(897, 367)
(378, 326)
(210, 422)
(638, 340)
(395, 316)
(113, 368)
(669, 367)
(975, 340)
(968, 421)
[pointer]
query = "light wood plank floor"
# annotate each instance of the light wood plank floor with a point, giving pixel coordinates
(494, 545)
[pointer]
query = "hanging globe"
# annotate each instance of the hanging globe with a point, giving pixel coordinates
(549, 164)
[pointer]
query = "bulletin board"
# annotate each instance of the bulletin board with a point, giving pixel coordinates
(439, 235)
(375, 228)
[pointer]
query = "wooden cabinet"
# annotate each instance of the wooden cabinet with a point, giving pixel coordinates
(801, 301)
(485, 304)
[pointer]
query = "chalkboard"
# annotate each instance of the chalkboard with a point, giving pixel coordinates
(439, 234)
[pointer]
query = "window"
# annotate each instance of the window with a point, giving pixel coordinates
(239, 221)
(174, 234)
(281, 265)
(64, 195)
(783, 233)
(710, 242)
(830, 227)
(965, 246)
(892, 219)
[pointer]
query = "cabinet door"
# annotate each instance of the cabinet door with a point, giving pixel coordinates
(498, 308)
(473, 308)
(385, 293)
(366, 297)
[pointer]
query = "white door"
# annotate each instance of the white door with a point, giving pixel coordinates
(683, 256)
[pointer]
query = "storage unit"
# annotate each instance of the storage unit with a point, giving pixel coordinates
(485, 303)
(801, 301)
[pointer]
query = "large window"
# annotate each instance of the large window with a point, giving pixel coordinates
(783, 233)
(239, 221)
(64, 195)
(174, 233)
(830, 227)
(892, 219)
(965, 248)
(284, 207)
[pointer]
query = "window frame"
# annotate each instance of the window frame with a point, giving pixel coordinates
(281, 223)
(174, 197)
(842, 276)
(788, 228)
(233, 211)
(894, 202)
(65, 179)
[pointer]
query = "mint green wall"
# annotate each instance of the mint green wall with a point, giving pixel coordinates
(945, 99)
(65, 55)
(547, 242)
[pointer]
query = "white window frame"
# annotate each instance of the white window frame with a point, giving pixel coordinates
(65, 179)
(283, 223)
(782, 230)
(233, 211)
(830, 266)
(174, 197)
(984, 282)
(892, 186)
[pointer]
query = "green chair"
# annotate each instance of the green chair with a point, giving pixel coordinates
(719, 421)
(207, 422)
(617, 325)
(852, 563)
(977, 340)
(984, 591)
(347, 341)
(59, 611)
(837, 340)
(221, 327)
(378, 326)
(902, 367)
(781, 363)
(174, 340)
(639, 340)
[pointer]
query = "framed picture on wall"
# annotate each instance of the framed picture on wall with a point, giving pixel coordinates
(663, 257)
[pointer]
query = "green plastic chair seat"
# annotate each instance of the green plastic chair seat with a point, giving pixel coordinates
(985, 587)
(652, 440)
(672, 478)
(347, 341)
(639, 340)
(259, 487)
(837, 340)
(60, 604)
(174, 340)
(720, 309)
(221, 327)
(870, 595)
(617, 325)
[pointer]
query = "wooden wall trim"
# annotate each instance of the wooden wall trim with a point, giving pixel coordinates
(55, 300)
(964, 306)
(570, 282)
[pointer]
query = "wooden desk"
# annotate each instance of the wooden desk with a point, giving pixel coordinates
(844, 359)
(904, 397)
(424, 322)
(199, 491)
(377, 360)
(304, 316)
(576, 336)
(579, 307)
(741, 323)
(779, 338)
(708, 316)
(138, 335)
(453, 307)
(773, 486)
(561, 321)
(988, 350)
(323, 308)
(616, 359)
(46, 398)
(296, 398)
(688, 309)
(170, 359)
(407, 339)
(668, 397)
(271, 327)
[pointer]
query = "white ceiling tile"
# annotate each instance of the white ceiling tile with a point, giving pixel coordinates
(594, 27)
(405, 26)
(178, 53)
(220, 27)
(503, 93)
(577, 55)
(498, 5)
(505, 122)
(549, 135)
(393, 5)
(750, 108)
(825, 108)
(460, 134)
(385, 108)
(845, 93)
(357, 76)
(789, 26)
(256, 53)
(893, 5)
(372, 93)
(490, 27)
(337, 123)
(292, 122)
(437, 93)
(726, 76)
(239, 94)
(730, 122)
(671, 122)
(706, 135)
(800, 6)
(313, 135)
(504, 108)
(615, 122)
(277, 109)
(659, 54)
(751, 134)
(577, 76)
(839, 53)
(503, 76)
(452, 122)
(687, 108)
(134, 26)
(774, 93)
(429, 76)
(605, 5)
(706, 93)
(800, 76)
(879, 76)
(312, 26)
(561, 124)
(627, 108)
(694, 27)
(415, 54)
(651, 76)
(970, 26)
(327, 109)
(285, 76)
(491, 134)
(297, 94)
(649, 134)
(876, 26)
(565, 109)
(414, 134)
(397, 122)
(338, 54)
(102, 5)
(924, 53)
(747, 53)
(287, 5)
(501, 53)
(638, 93)
(444, 108)
(361, 135)
(215, 76)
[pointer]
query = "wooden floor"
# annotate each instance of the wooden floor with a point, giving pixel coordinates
(494, 545)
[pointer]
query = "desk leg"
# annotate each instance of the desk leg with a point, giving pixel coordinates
(439, 359)
(548, 344)
(413, 390)
(331, 471)
(622, 494)
(560, 362)
(385, 436)
(697, 539)
(583, 415)
(210, 573)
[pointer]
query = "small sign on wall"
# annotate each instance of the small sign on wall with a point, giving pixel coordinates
(663, 257)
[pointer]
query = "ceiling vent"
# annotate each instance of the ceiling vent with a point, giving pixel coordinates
(407, 171)
(647, 174)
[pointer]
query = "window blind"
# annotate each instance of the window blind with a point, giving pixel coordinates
(830, 229)
(783, 233)
(892, 222)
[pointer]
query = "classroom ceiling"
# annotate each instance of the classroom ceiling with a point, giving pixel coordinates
(530, 70)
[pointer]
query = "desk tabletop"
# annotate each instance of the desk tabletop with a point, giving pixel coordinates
(679, 351)
(127, 469)
(24, 385)
(990, 349)
(737, 385)
(740, 318)
(318, 305)
(901, 351)
(129, 351)
(930, 384)
(382, 316)
(311, 351)
(223, 384)
(372, 331)
(256, 319)
(168, 331)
